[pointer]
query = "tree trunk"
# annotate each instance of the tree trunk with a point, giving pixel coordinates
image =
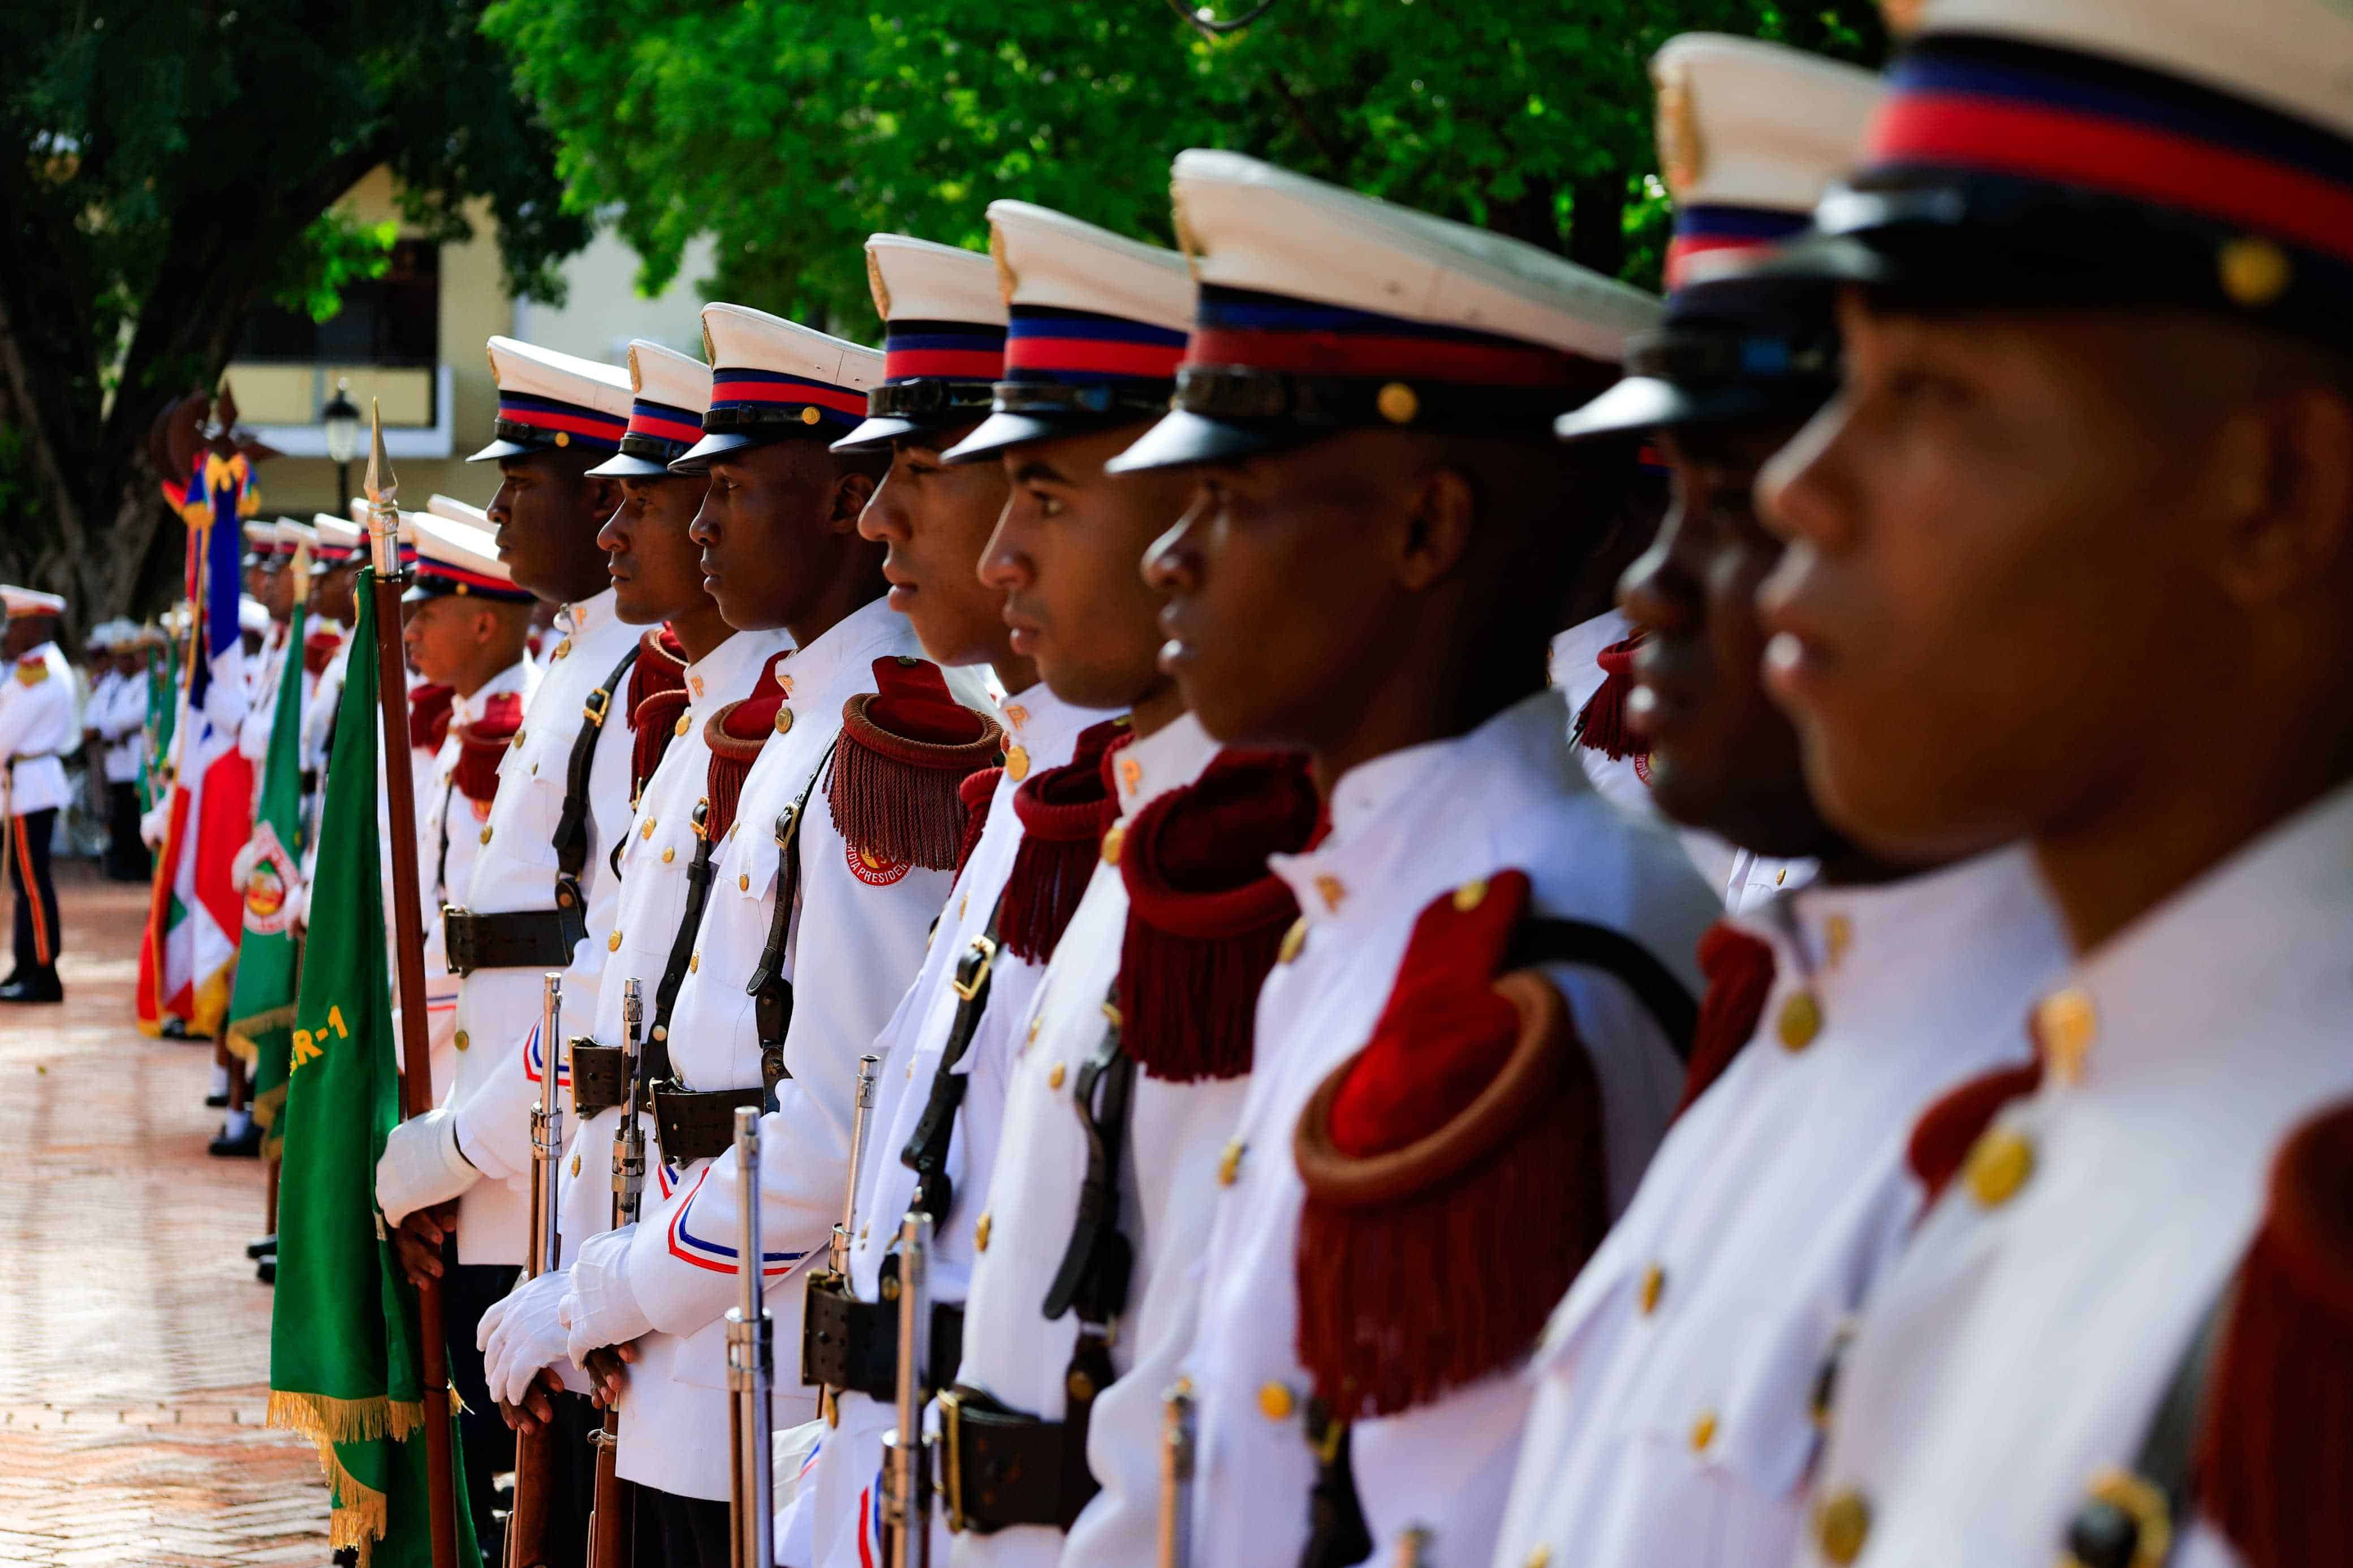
(1597, 223)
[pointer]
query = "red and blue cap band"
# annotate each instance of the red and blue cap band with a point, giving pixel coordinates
(747, 400)
(1722, 230)
(659, 433)
(1238, 328)
(533, 421)
(1077, 348)
(942, 351)
(438, 579)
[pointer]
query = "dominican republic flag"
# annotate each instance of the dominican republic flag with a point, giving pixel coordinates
(196, 912)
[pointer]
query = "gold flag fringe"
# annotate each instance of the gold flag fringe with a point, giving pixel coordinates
(239, 1034)
(358, 1515)
(323, 1419)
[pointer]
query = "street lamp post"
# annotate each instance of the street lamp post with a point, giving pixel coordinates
(342, 419)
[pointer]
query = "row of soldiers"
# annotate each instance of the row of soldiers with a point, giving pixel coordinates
(1090, 787)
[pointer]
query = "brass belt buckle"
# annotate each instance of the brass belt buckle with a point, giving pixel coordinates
(952, 1471)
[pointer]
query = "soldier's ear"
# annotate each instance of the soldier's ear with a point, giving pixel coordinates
(852, 491)
(604, 496)
(1436, 530)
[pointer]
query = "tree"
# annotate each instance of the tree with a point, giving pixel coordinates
(165, 167)
(792, 129)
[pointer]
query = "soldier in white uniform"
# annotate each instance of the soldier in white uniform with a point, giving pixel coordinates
(38, 726)
(939, 1103)
(2068, 558)
(815, 917)
(1138, 1042)
(1675, 1411)
(275, 546)
(1372, 449)
(122, 725)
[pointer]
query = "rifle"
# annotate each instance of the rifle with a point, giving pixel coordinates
(751, 1367)
(529, 1516)
(1177, 1475)
(835, 1278)
(387, 584)
(609, 1533)
(906, 1451)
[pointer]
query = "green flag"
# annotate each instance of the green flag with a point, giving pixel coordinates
(163, 710)
(261, 1006)
(344, 1362)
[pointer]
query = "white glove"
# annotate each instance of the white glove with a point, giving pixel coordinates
(601, 1309)
(521, 1334)
(421, 1166)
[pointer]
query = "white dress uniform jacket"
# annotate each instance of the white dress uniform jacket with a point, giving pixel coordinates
(646, 908)
(857, 938)
(1672, 1420)
(1406, 829)
(261, 688)
(1041, 729)
(514, 868)
(449, 833)
(122, 725)
(2026, 1337)
(1011, 1350)
(38, 726)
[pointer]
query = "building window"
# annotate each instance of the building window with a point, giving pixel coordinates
(394, 320)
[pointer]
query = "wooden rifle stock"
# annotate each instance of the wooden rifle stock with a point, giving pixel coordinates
(610, 1522)
(530, 1518)
(409, 953)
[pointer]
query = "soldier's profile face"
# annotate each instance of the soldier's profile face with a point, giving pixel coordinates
(439, 635)
(655, 565)
(1989, 575)
(932, 521)
(538, 513)
(1066, 556)
(1723, 757)
(768, 530)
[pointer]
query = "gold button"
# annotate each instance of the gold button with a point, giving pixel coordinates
(1800, 1021)
(1654, 1281)
(678, 728)
(1230, 1163)
(2253, 271)
(1292, 941)
(1703, 1432)
(1016, 764)
(669, 856)
(486, 836)
(613, 943)
(564, 649)
(1838, 935)
(1842, 1524)
(462, 1041)
(1111, 843)
(784, 720)
(517, 742)
(1398, 402)
(2066, 1023)
(575, 1164)
(1035, 1023)
(1332, 890)
(1276, 1402)
(1079, 1386)
(1539, 1558)
(980, 1234)
(743, 883)
(1470, 895)
(1998, 1165)
(1054, 1077)
(964, 908)
(646, 828)
(694, 965)
(809, 416)
(1780, 876)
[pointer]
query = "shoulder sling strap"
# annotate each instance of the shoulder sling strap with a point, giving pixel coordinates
(571, 836)
(771, 992)
(1541, 940)
(2110, 1529)
(926, 1153)
(1095, 1272)
(681, 949)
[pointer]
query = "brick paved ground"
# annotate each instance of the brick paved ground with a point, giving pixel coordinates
(134, 1341)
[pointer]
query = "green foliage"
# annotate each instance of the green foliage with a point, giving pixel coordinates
(336, 250)
(791, 129)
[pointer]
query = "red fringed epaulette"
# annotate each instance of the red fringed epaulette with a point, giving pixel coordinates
(319, 648)
(1601, 722)
(735, 733)
(1739, 971)
(2275, 1447)
(1951, 1126)
(1063, 813)
(905, 746)
(656, 700)
(1454, 1167)
(482, 744)
(1205, 916)
(979, 793)
(429, 716)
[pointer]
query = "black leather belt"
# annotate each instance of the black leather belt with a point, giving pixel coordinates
(998, 1467)
(512, 939)
(600, 1077)
(850, 1344)
(699, 1125)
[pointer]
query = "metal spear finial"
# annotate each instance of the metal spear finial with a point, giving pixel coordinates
(382, 486)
